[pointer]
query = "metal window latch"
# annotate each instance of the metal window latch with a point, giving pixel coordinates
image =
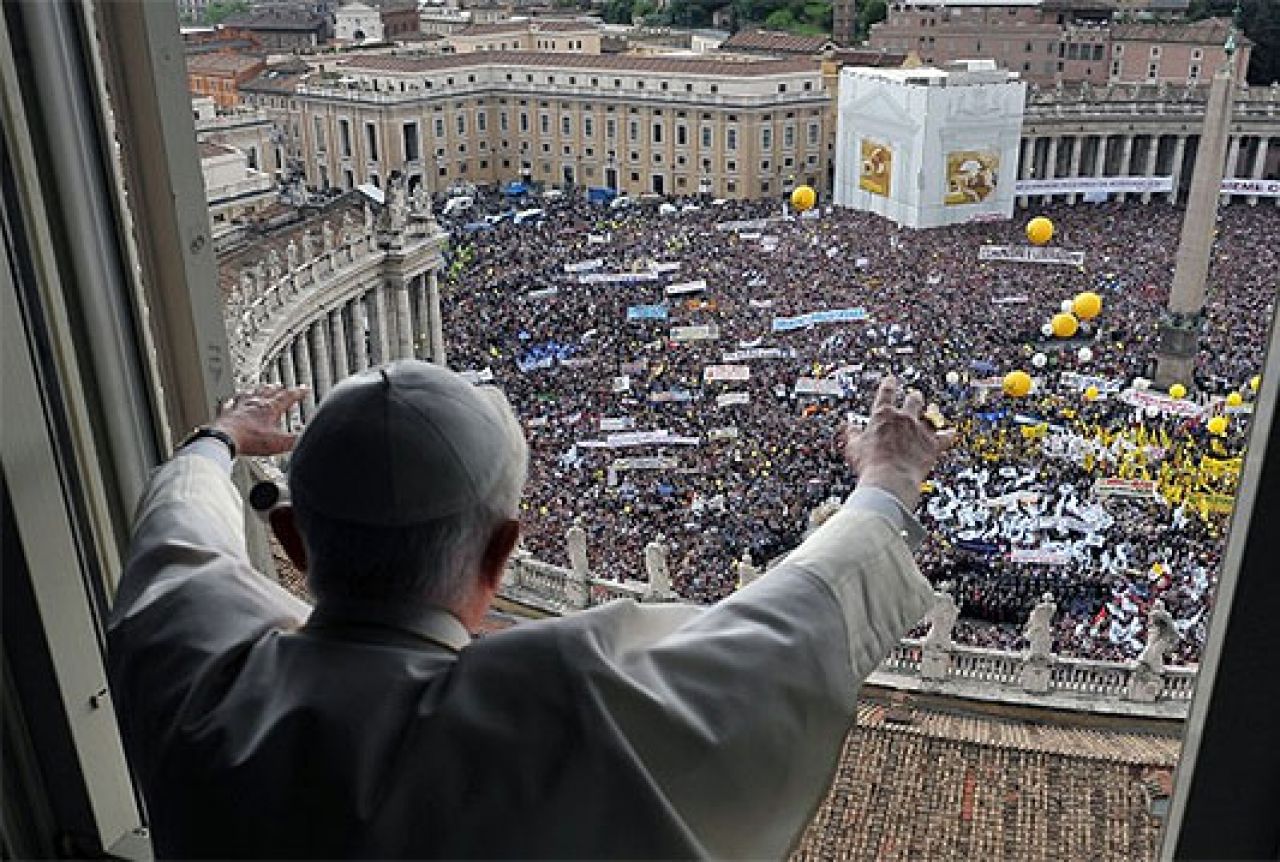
(99, 699)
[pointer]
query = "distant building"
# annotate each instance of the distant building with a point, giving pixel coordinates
(283, 28)
(210, 40)
(219, 76)
(356, 22)
(442, 20)
(1173, 51)
(529, 34)
(776, 43)
(844, 21)
(233, 188)
(1046, 41)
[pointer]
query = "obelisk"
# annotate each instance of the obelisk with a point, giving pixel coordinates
(1182, 320)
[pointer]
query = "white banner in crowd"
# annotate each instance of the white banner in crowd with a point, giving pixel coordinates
(1020, 299)
(745, 224)
(1253, 188)
(542, 293)
(758, 353)
(1163, 403)
(1114, 487)
(622, 383)
(812, 318)
(1085, 185)
(729, 399)
(687, 287)
(636, 366)
(598, 239)
(822, 388)
(672, 396)
(617, 277)
(627, 439)
(1040, 556)
(704, 332)
(713, 373)
(651, 462)
(484, 375)
(584, 266)
(1031, 254)
(727, 433)
(1105, 385)
(618, 423)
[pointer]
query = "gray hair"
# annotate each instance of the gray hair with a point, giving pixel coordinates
(435, 562)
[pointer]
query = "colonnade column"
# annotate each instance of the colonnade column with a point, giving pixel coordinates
(359, 311)
(379, 326)
(340, 346)
(1126, 157)
(1077, 146)
(404, 320)
(1179, 156)
(1231, 171)
(1259, 165)
(422, 323)
(433, 316)
(1050, 171)
(289, 378)
(302, 361)
(1026, 166)
(321, 361)
(1149, 170)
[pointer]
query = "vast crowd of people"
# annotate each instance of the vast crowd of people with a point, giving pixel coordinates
(596, 323)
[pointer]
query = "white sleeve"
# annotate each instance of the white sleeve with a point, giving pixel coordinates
(738, 711)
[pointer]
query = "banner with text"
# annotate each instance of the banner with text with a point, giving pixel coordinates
(1031, 254)
(813, 318)
(714, 373)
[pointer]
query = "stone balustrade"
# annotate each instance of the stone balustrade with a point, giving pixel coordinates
(933, 665)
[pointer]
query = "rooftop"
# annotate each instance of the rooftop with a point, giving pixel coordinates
(223, 62)
(961, 786)
(529, 25)
(609, 62)
(773, 41)
(275, 19)
(1210, 31)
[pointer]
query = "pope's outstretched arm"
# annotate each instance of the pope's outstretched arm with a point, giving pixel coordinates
(739, 711)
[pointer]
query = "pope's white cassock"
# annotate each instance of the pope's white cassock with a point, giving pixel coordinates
(261, 727)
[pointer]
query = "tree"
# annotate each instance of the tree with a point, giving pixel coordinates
(871, 12)
(220, 10)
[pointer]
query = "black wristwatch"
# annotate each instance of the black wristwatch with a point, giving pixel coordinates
(214, 433)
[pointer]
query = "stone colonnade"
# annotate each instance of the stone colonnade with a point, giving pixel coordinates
(396, 319)
(1086, 154)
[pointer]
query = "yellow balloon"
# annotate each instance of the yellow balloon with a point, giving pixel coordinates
(1255, 381)
(1065, 325)
(1039, 230)
(1235, 399)
(1218, 425)
(1091, 394)
(1087, 305)
(803, 198)
(1177, 390)
(1017, 383)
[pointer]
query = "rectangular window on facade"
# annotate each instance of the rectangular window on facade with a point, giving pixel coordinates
(502, 121)
(682, 135)
(611, 128)
(766, 138)
(633, 131)
(344, 138)
(1097, 52)
(544, 123)
(371, 137)
(1153, 70)
(462, 123)
(731, 138)
(657, 133)
(815, 130)
(788, 136)
(319, 124)
(706, 137)
(439, 128)
(588, 126)
(524, 122)
(482, 121)
(412, 150)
